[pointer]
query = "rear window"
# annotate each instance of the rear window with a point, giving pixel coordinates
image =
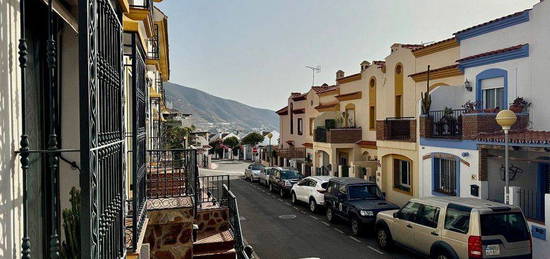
(324, 185)
(510, 225)
(256, 167)
(290, 174)
(457, 218)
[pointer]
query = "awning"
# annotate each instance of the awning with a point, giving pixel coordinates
(60, 10)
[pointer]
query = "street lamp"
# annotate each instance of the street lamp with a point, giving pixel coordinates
(506, 119)
(269, 136)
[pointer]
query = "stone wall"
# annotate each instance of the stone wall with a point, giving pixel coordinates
(426, 126)
(170, 233)
(215, 219)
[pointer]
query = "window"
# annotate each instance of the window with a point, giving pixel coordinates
(493, 93)
(300, 126)
(445, 176)
(351, 117)
(410, 211)
(312, 183)
(398, 78)
(457, 218)
(510, 225)
(372, 117)
(428, 216)
(362, 192)
(311, 122)
(402, 174)
(398, 106)
(291, 112)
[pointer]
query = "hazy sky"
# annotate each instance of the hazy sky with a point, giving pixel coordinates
(255, 51)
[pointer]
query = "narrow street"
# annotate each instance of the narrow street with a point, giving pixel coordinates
(277, 229)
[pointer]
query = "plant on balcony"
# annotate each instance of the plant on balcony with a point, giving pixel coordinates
(70, 247)
(426, 102)
(470, 106)
(519, 105)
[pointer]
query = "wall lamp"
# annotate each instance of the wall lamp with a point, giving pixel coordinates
(468, 85)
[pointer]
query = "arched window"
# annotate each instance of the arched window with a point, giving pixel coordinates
(372, 103)
(350, 111)
(398, 78)
(291, 113)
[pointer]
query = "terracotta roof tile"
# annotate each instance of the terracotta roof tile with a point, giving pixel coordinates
(308, 145)
(331, 88)
(435, 43)
(348, 94)
(518, 137)
(300, 97)
(490, 53)
(295, 94)
(435, 70)
(327, 105)
(318, 89)
(299, 111)
(282, 111)
(492, 21)
(366, 143)
(412, 46)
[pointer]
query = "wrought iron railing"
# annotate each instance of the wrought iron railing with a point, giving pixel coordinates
(447, 123)
(399, 128)
(141, 4)
(171, 173)
(153, 51)
(210, 192)
(235, 223)
(531, 203)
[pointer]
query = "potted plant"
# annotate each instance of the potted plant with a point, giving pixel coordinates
(470, 107)
(519, 105)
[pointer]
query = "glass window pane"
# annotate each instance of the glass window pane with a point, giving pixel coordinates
(429, 216)
(510, 225)
(457, 218)
(499, 99)
(410, 211)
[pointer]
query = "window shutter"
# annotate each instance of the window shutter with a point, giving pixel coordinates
(492, 83)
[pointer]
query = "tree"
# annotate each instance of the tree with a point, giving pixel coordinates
(232, 143)
(174, 136)
(252, 139)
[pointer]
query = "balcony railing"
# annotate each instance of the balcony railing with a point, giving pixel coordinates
(399, 128)
(338, 135)
(320, 135)
(294, 152)
(446, 124)
(210, 191)
(153, 51)
(171, 173)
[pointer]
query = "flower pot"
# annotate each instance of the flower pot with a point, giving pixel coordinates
(516, 108)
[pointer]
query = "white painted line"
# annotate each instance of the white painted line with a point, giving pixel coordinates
(375, 250)
(303, 212)
(280, 199)
(339, 231)
(325, 223)
(355, 239)
(313, 217)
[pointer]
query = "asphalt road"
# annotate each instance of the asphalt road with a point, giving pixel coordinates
(276, 229)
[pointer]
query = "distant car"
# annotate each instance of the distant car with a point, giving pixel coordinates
(264, 175)
(456, 228)
(252, 173)
(310, 190)
(355, 200)
(282, 179)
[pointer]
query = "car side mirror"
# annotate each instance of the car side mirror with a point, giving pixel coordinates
(397, 214)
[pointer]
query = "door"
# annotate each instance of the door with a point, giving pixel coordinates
(404, 229)
(102, 133)
(341, 196)
(330, 196)
(426, 231)
(299, 189)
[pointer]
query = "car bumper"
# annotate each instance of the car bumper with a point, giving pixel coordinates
(367, 220)
(255, 177)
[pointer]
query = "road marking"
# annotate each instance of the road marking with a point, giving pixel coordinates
(375, 250)
(355, 239)
(280, 199)
(303, 212)
(313, 217)
(326, 224)
(295, 207)
(339, 231)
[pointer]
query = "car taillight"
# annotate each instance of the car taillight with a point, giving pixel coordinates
(321, 190)
(475, 247)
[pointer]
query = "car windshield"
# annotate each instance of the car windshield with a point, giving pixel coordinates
(362, 192)
(256, 167)
(510, 225)
(290, 174)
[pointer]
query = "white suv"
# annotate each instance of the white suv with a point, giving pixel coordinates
(456, 228)
(310, 190)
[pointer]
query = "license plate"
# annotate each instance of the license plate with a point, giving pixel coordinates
(492, 250)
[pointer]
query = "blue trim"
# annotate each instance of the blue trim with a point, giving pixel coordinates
(449, 143)
(436, 174)
(538, 232)
(495, 58)
(542, 168)
(493, 26)
(512, 144)
(488, 74)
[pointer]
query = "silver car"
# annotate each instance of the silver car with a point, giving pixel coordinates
(252, 173)
(264, 175)
(456, 228)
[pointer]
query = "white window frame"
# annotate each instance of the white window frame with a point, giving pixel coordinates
(408, 185)
(484, 94)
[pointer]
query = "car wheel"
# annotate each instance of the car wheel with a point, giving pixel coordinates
(294, 200)
(356, 227)
(330, 215)
(383, 238)
(443, 254)
(312, 205)
(281, 192)
(271, 187)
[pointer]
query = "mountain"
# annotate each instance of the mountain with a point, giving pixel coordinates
(210, 111)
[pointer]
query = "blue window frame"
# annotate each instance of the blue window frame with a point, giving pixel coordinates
(488, 96)
(446, 176)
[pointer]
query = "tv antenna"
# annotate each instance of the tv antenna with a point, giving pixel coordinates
(314, 70)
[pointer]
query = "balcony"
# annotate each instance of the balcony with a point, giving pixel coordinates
(293, 152)
(397, 128)
(338, 135)
(458, 124)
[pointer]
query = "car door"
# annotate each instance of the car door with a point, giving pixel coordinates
(310, 189)
(426, 231)
(341, 197)
(403, 231)
(330, 195)
(299, 189)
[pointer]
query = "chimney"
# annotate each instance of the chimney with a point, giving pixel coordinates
(339, 74)
(364, 65)
(395, 47)
(324, 84)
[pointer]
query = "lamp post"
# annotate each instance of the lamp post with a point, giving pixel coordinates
(506, 119)
(269, 136)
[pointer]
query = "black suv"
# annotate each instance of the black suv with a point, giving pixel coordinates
(355, 200)
(282, 180)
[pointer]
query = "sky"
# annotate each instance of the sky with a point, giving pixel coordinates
(255, 51)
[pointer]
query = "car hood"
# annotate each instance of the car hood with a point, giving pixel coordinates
(375, 205)
(255, 171)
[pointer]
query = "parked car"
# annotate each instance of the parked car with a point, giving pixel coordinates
(355, 200)
(456, 228)
(282, 179)
(264, 175)
(310, 190)
(252, 173)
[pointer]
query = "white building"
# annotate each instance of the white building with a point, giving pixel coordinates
(462, 151)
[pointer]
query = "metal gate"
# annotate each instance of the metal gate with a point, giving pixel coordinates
(101, 130)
